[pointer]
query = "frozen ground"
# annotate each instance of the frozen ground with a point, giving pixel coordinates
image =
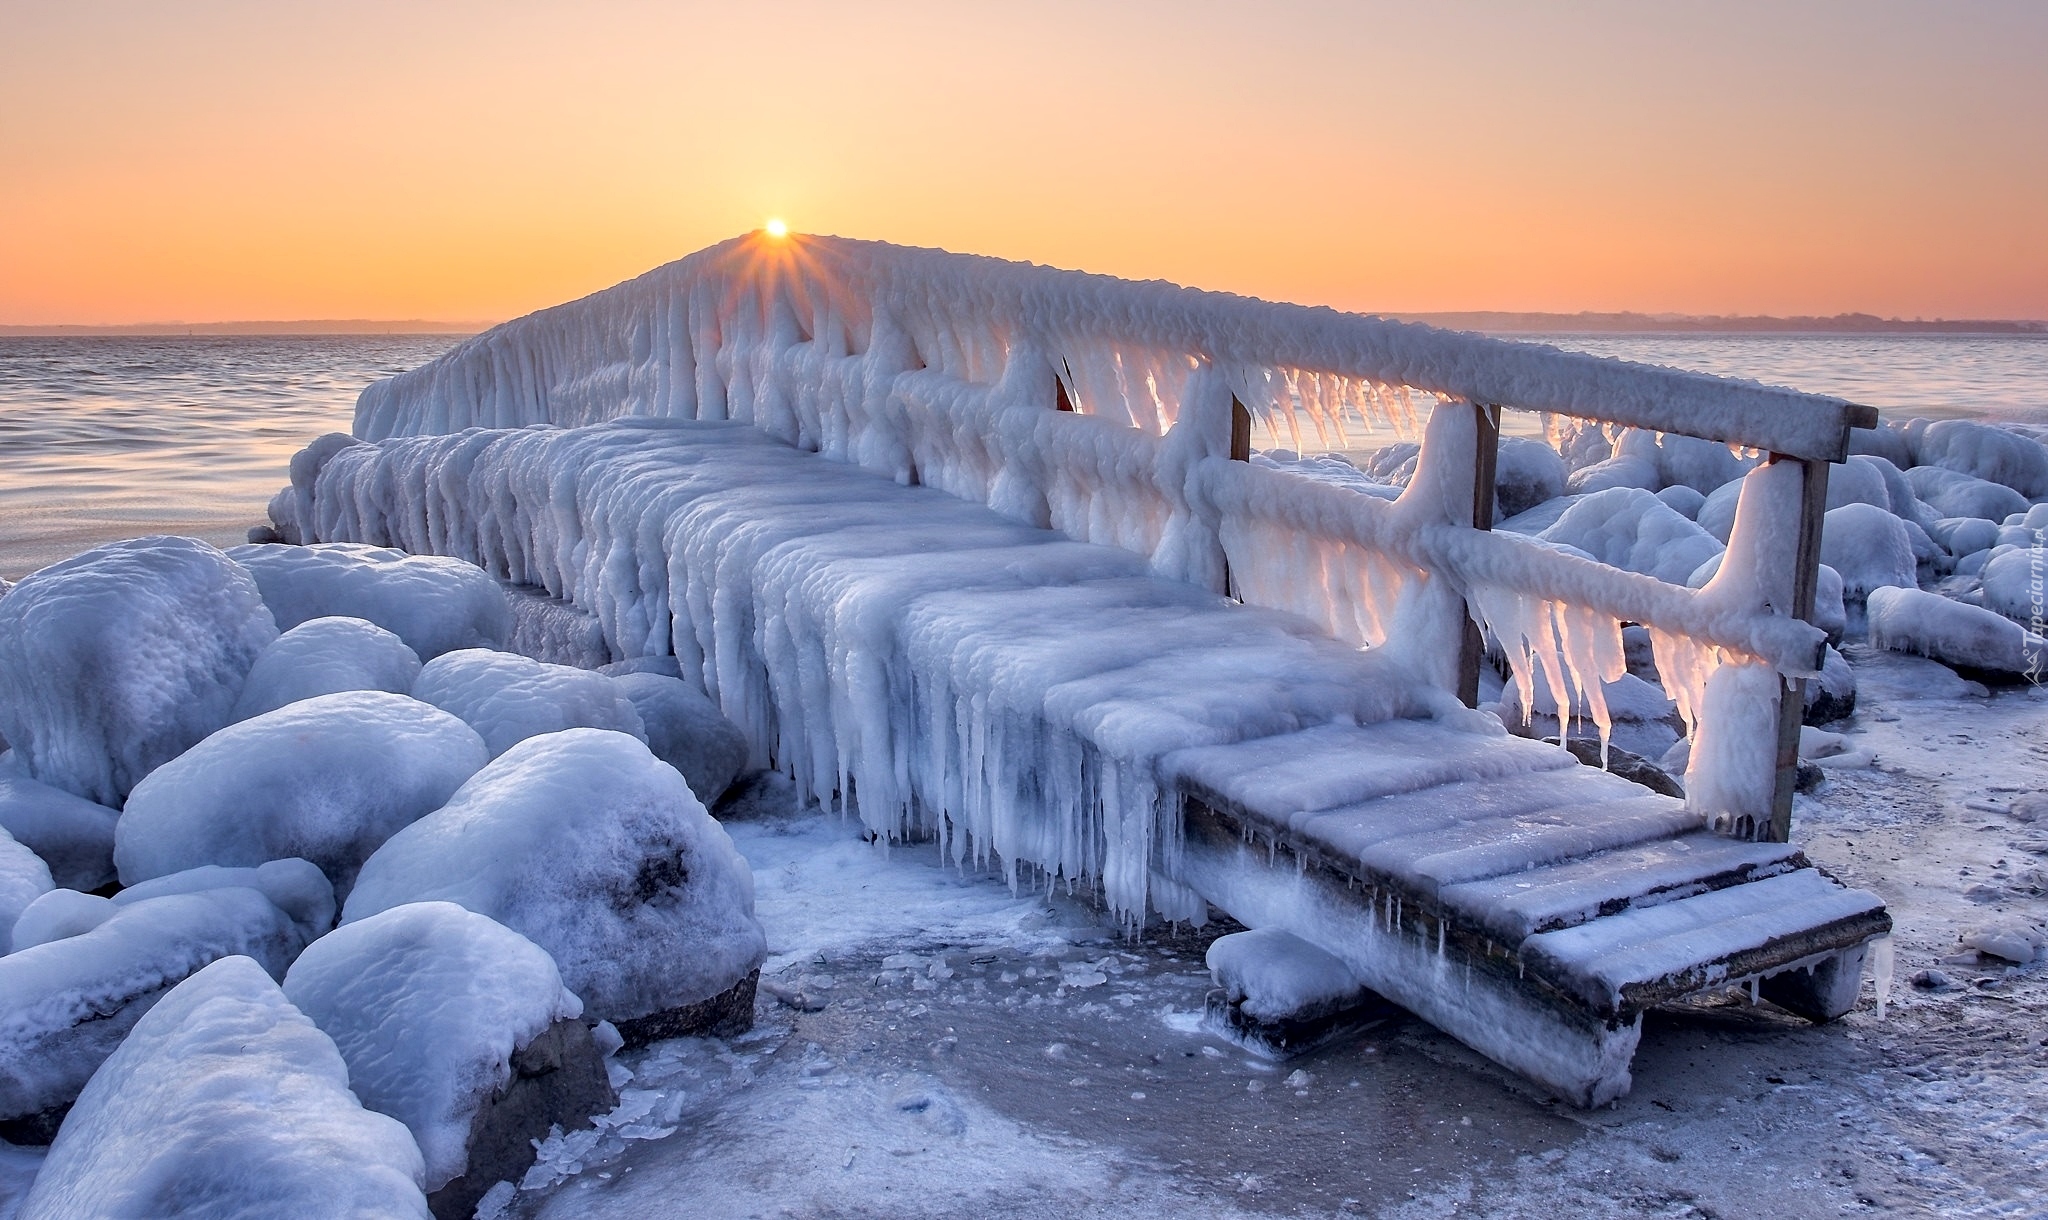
(945, 1049)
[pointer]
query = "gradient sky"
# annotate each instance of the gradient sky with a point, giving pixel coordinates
(467, 160)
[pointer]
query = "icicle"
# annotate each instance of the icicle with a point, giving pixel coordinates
(1881, 959)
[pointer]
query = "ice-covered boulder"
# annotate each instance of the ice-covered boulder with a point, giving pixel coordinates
(1642, 719)
(1717, 511)
(432, 1006)
(1831, 695)
(433, 603)
(23, 879)
(1854, 482)
(1961, 536)
(1626, 527)
(1526, 473)
(1683, 500)
(1622, 470)
(1883, 441)
(595, 850)
(1951, 493)
(1869, 548)
(120, 658)
(296, 887)
(291, 510)
(325, 779)
(2015, 584)
(74, 836)
(1703, 465)
(1898, 490)
(226, 1103)
(325, 656)
(1987, 452)
(1961, 636)
(686, 730)
(1272, 975)
(59, 914)
(508, 698)
(66, 1004)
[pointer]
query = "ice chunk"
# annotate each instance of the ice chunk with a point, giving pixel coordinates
(427, 1003)
(324, 779)
(227, 1103)
(57, 915)
(434, 604)
(2010, 939)
(23, 879)
(594, 849)
(120, 658)
(74, 836)
(326, 656)
(1869, 548)
(65, 1005)
(1275, 975)
(1988, 452)
(687, 731)
(297, 887)
(1625, 527)
(2015, 584)
(508, 698)
(1951, 493)
(1929, 625)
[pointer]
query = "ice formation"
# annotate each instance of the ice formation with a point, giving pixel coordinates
(2015, 583)
(325, 656)
(225, 1102)
(65, 1005)
(1987, 452)
(687, 731)
(1631, 529)
(325, 779)
(431, 603)
(74, 836)
(1950, 493)
(296, 887)
(594, 849)
(426, 1003)
(57, 915)
(121, 657)
(1276, 975)
(1869, 548)
(23, 879)
(508, 698)
(1927, 624)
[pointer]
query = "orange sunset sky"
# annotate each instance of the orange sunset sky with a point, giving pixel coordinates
(473, 161)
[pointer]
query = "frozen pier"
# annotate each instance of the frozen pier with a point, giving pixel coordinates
(977, 545)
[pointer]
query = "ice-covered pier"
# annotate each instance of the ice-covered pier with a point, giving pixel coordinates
(977, 545)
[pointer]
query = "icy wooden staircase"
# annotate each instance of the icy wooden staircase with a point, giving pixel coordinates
(989, 557)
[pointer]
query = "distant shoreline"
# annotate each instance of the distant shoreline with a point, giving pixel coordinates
(1504, 322)
(309, 328)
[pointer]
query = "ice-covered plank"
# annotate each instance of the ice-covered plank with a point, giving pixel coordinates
(1516, 905)
(1688, 944)
(1489, 848)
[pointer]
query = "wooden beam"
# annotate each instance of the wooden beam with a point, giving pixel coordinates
(1813, 504)
(1485, 463)
(1240, 431)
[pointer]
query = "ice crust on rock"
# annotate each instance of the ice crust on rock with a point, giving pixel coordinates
(74, 836)
(1956, 634)
(1951, 493)
(685, 729)
(226, 1103)
(324, 779)
(1987, 452)
(325, 656)
(427, 1002)
(297, 887)
(1527, 473)
(508, 698)
(65, 1005)
(432, 603)
(2015, 583)
(1276, 975)
(1869, 548)
(594, 849)
(56, 915)
(120, 658)
(1628, 528)
(23, 879)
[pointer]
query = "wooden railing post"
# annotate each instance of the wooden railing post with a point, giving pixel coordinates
(1240, 451)
(1485, 463)
(1813, 504)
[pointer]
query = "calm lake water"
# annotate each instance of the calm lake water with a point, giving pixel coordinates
(105, 438)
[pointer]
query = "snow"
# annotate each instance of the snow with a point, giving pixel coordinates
(1276, 975)
(1632, 529)
(74, 836)
(56, 915)
(433, 604)
(325, 656)
(121, 657)
(325, 779)
(508, 698)
(426, 1003)
(1857, 482)
(1869, 548)
(1929, 625)
(1988, 452)
(594, 849)
(226, 1103)
(65, 1005)
(23, 879)
(2015, 584)
(1526, 473)
(1949, 493)
(687, 731)
(296, 887)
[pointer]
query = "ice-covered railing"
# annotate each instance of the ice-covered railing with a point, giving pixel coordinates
(1111, 410)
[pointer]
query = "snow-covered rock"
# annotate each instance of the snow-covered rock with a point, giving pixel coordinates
(594, 849)
(1929, 625)
(1898, 490)
(508, 698)
(2008, 939)
(1627, 527)
(23, 879)
(297, 887)
(59, 914)
(1274, 975)
(66, 1004)
(1885, 441)
(325, 779)
(1622, 470)
(1717, 512)
(433, 603)
(1951, 493)
(74, 836)
(428, 1004)
(1831, 695)
(121, 657)
(1961, 536)
(226, 1103)
(1526, 473)
(1854, 482)
(2015, 584)
(325, 656)
(1683, 500)
(1868, 548)
(1987, 452)
(685, 729)
(1703, 465)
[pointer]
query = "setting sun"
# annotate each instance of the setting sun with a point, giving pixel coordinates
(777, 228)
